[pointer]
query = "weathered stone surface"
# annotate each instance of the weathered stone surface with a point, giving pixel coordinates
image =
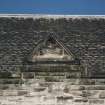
(86, 40)
(84, 37)
(56, 93)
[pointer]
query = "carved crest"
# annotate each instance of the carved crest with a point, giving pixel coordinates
(51, 49)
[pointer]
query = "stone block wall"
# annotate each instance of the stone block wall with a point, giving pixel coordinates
(84, 37)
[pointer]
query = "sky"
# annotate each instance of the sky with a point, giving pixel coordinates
(65, 7)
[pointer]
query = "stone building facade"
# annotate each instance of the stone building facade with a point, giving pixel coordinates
(84, 37)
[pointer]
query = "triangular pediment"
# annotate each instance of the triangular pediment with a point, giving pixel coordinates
(51, 49)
